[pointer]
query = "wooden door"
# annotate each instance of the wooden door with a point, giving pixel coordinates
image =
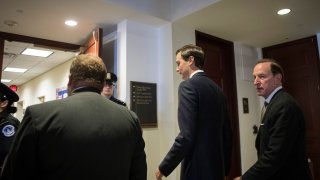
(300, 62)
(220, 67)
(94, 43)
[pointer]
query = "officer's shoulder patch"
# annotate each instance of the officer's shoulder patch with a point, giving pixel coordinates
(8, 130)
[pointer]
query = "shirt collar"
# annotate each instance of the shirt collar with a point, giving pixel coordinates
(199, 70)
(272, 94)
(85, 89)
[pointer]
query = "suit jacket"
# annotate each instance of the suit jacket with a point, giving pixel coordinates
(81, 137)
(205, 139)
(281, 142)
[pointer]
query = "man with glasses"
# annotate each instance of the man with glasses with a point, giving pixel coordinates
(108, 88)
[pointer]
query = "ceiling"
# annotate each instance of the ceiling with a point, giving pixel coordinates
(251, 22)
(35, 65)
(256, 23)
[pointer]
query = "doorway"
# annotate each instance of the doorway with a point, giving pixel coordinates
(300, 61)
(220, 67)
(14, 44)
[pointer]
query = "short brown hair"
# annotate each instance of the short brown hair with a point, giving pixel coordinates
(87, 70)
(195, 51)
(274, 67)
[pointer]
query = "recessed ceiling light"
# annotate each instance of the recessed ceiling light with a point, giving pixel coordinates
(36, 52)
(71, 23)
(5, 80)
(15, 70)
(283, 11)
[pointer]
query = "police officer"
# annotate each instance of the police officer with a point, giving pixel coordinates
(8, 123)
(108, 88)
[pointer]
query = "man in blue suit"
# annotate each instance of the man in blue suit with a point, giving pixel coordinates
(205, 140)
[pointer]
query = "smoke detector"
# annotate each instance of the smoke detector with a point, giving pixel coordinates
(10, 23)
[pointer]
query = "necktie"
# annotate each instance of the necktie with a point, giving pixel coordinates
(263, 110)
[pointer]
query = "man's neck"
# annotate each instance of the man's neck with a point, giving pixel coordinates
(106, 96)
(268, 99)
(195, 72)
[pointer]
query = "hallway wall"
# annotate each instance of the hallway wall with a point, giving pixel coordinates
(44, 85)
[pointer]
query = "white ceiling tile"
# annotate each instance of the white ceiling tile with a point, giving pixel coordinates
(14, 47)
(10, 75)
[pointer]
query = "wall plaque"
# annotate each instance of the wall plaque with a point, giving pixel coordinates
(144, 102)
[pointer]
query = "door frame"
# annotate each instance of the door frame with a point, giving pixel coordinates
(232, 101)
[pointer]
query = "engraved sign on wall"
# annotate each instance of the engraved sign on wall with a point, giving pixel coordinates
(144, 102)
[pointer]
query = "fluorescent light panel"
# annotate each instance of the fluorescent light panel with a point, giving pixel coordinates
(15, 70)
(5, 80)
(36, 52)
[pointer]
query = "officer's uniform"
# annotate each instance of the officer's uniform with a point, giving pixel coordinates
(118, 101)
(8, 123)
(112, 79)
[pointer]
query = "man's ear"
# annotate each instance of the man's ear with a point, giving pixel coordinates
(4, 103)
(191, 60)
(278, 78)
(70, 80)
(69, 88)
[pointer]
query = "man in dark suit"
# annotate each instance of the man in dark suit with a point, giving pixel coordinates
(205, 139)
(281, 138)
(80, 137)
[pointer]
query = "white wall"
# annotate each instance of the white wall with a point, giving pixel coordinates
(44, 85)
(245, 59)
(145, 55)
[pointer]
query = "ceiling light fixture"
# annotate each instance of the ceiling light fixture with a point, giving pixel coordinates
(71, 23)
(5, 80)
(20, 70)
(36, 52)
(283, 11)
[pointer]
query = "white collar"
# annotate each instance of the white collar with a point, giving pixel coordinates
(199, 70)
(273, 92)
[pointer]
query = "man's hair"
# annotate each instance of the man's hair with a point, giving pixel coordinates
(87, 71)
(192, 50)
(274, 67)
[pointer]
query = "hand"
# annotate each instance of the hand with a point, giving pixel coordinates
(159, 175)
(237, 178)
